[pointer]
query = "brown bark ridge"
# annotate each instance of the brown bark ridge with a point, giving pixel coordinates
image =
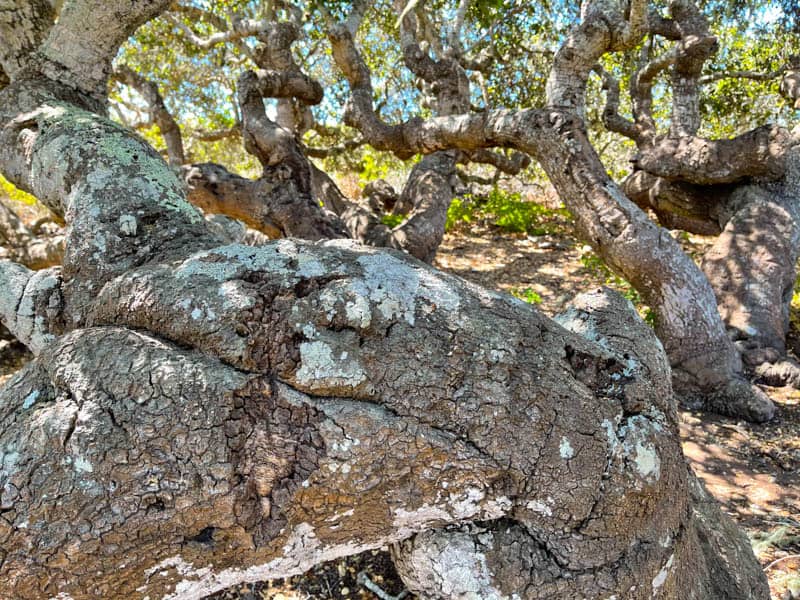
(201, 414)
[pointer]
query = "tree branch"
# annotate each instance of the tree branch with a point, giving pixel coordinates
(612, 120)
(752, 75)
(159, 114)
(30, 304)
(24, 24)
(241, 28)
(81, 46)
(757, 153)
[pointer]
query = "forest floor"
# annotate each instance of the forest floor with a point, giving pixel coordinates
(753, 470)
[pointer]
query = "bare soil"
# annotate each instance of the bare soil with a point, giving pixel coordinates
(753, 470)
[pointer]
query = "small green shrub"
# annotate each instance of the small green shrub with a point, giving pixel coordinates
(461, 211)
(527, 294)
(507, 211)
(392, 221)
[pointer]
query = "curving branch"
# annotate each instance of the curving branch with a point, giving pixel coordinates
(238, 30)
(510, 165)
(31, 304)
(612, 120)
(760, 152)
(697, 45)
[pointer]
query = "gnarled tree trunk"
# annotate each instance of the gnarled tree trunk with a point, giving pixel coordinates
(201, 414)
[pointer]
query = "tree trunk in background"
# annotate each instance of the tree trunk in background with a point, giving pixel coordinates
(34, 249)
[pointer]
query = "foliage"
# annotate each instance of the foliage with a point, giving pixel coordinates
(527, 294)
(10, 190)
(391, 220)
(507, 211)
(461, 211)
(600, 270)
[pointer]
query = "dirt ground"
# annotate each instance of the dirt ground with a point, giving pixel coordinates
(753, 470)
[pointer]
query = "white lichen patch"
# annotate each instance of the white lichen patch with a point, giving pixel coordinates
(662, 575)
(395, 287)
(127, 225)
(81, 465)
(30, 399)
(647, 461)
(565, 449)
(228, 262)
(9, 459)
(321, 367)
(358, 311)
(633, 444)
(539, 507)
(234, 296)
(466, 504)
(308, 266)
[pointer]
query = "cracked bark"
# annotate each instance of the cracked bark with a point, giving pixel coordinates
(211, 414)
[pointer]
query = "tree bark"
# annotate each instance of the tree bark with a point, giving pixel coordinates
(742, 188)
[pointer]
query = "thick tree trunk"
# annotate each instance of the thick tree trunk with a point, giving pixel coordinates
(219, 414)
(752, 267)
(200, 415)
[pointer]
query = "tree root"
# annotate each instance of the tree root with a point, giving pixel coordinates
(784, 372)
(738, 398)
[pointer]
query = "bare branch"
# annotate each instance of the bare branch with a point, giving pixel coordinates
(612, 120)
(454, 38)
(752, 75)
(169, 128)
(666, 28)
(356, 16)
(240, 29)
(603, 28)
(335, 150)
(216, 134)
(30, 303)
(757, 153)
(696, 46)
(511, 165)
